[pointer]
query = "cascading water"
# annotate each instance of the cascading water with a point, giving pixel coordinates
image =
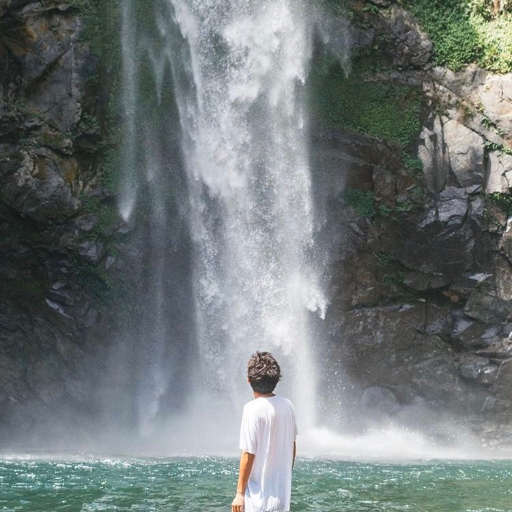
(238, 70)
(252, 218)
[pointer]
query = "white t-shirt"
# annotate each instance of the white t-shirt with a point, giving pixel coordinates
(268, 431)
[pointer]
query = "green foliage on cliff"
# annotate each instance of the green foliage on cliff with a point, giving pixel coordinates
(392, 276)
(364, 103)
(455, 39)
(101, 20)
(500, 148)
(101, 30)
(363, 202)
(504, 201)
(413, 164)
(467, 31)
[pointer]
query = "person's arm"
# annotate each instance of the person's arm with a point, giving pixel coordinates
(246, 462)
(294, 453)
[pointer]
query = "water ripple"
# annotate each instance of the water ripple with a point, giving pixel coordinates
(208, 483)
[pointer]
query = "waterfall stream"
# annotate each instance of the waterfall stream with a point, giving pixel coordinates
(237, 72)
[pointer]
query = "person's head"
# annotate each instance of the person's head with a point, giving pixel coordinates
(263, 372)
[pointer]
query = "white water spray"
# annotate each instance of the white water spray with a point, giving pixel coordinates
(238, 74)
(245, 141)
(128, 192)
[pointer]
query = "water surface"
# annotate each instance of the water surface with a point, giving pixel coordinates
(208, 483)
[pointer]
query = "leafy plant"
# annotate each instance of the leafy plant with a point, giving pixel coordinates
(467, 31)
(488, 123)
(361, 200)
(371, 8)
(403, 206)
(413, 164)
(383, 259)
(504, 201)
(394, 279)
(493, 146)
(384, 211)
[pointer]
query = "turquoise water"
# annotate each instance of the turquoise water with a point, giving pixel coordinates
(208, 483)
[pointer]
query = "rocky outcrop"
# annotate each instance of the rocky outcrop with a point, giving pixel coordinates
(55, 260)
(413, 47)
(421, 297)
(34, 185)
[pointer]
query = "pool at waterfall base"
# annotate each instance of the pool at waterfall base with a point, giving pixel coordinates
(194, 484)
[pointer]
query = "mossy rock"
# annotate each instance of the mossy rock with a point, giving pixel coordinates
(365, 103)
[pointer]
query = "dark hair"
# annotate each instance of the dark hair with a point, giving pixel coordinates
(263, 372)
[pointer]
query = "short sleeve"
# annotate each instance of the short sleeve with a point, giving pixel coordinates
(295, 428)
(249, 432)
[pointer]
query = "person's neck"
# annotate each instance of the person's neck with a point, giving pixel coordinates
(263, 395)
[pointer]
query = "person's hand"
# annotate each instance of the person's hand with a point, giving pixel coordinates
(238, 503)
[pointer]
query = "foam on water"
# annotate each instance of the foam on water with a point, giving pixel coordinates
(193, 484)
(396, 444)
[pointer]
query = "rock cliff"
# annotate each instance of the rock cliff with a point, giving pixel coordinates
(412, 169)
(421, 286)
(57, 220)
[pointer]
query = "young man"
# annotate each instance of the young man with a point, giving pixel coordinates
(267, 441)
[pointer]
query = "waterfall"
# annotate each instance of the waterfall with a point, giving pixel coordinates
(128, 192)
(238, 70)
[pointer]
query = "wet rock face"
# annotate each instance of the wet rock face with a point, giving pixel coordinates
(414, 47)
(433, 154)
(34, 186)
(466, 153)
(438, 243)
(421, 298)
(51, 309)
(491, 300)
(496, 98)
(393, 350)
(40, 104)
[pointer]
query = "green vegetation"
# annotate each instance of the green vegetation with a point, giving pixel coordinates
(364, 103)
(97, 139)
(463, 31)
(467, 31)
(110, 169)
(92, 278)
(107, 216)
(383, 259)
(413, 164)
(383, 211)
(363, 202)
(337, 7)
(393, 279)
(101, 26)
(493, 146)
(504, 201)
(371, 8)
(392, 276)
